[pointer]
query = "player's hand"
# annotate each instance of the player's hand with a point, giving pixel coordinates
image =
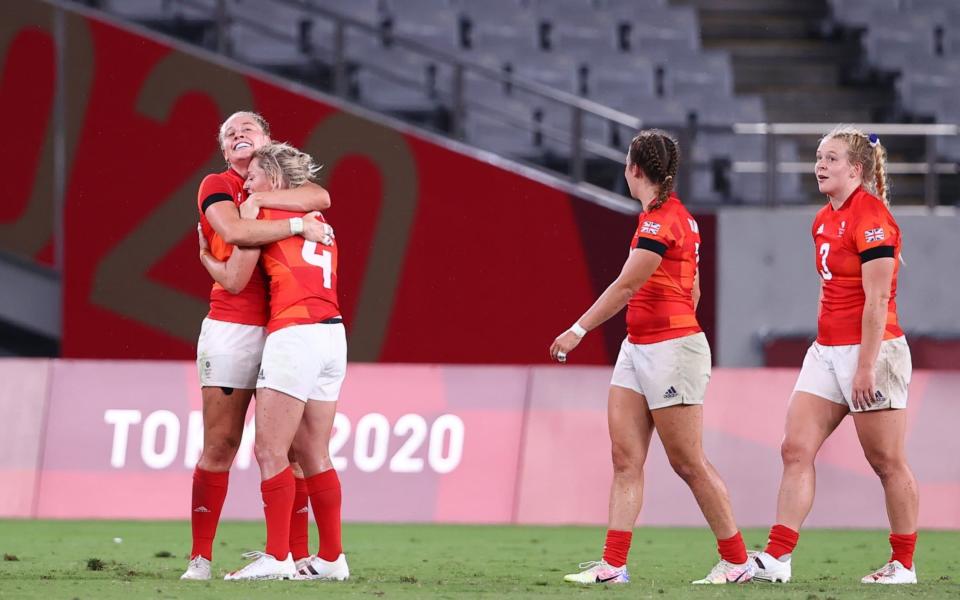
(250, 209)
(316, 230)
(864, 388)
(202, 239)
(563, 345)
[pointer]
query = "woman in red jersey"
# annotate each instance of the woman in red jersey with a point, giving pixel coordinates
(860, 363)
(233, 334)
(661, 374)
(304, 363)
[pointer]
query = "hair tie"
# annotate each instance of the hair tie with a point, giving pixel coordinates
(874, 139)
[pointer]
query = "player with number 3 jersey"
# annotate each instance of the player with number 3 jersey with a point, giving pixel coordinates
(661, 374)
(860, 363)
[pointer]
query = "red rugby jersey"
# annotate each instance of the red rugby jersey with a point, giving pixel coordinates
(861, 230)
(662, 309)
(249, 307)
(303, 278)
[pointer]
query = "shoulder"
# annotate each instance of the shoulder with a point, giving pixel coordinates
(872, 208)
(216, 182)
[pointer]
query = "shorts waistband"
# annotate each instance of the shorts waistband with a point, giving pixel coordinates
(331, 321)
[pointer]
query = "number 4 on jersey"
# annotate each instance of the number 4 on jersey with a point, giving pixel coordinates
(324, 260)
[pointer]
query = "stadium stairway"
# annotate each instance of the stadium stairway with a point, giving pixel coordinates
(808, 68)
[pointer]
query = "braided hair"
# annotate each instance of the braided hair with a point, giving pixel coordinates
(657, 154)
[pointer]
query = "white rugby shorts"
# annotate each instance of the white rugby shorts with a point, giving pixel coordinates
(307, 362)
(828, 372)
(228, 354)
(667, 373)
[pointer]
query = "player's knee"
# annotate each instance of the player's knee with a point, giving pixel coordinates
(689, 468)
(627, 462)
(885, 463)
(267, 453)
(220, 452)
(794, 452)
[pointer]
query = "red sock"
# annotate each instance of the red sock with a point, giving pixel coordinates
(617, 546)
(209, 492)
(278, 493)
(299, 522)
(732, 549)
(782, 541)
(325, 497)
(903, 545)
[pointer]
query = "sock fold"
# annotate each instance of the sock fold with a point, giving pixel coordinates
(616, 547)
(902, 546)
(278, 493)
(732, 549)
(782, 541)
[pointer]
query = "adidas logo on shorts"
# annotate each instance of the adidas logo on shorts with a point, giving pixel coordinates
(670, 393)
(261, 376)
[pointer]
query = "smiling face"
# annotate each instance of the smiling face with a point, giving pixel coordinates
(240, 135)
(836, 175)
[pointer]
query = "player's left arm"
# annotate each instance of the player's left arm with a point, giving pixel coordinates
(235, 272)
(306, 198)
(877, 275)
(640, 265)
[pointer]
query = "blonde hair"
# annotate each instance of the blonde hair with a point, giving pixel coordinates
(257, 118)
(657, 154)
(866, 151)
(286, 166)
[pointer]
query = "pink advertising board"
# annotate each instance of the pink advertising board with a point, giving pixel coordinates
(429, 443)
(412, 443)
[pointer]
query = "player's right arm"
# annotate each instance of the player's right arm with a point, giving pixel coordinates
(234, 273)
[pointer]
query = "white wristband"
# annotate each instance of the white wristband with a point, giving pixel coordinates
(296, 226)
(578, 330)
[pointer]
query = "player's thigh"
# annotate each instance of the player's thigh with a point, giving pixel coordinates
(316, 426)
(278, 418)
(630, 425)
(882, 434)
(810, 421)
(680, 428)
(224, 414)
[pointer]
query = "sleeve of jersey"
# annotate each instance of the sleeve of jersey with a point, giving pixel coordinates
(653, 234)
(213, 189)
(875, 237)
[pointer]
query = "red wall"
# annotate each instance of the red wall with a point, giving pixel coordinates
(444, 258)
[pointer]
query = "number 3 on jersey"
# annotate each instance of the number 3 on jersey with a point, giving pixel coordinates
(324, 260)
(824, 251)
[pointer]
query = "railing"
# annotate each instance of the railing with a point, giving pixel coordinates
(929, 168)
(458, 104)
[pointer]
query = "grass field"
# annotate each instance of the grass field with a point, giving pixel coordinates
(80, 559)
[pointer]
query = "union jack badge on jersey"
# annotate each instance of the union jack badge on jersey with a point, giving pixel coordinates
(874, 235)
(650, 227)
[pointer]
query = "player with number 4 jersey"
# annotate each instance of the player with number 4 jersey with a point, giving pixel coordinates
(303, 367)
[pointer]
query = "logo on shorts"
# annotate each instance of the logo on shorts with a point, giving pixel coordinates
(670, 394)
(879, 397)
(650, 227)
(261, 376)
(874, 235)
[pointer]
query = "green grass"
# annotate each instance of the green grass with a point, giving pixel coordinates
(57, 559)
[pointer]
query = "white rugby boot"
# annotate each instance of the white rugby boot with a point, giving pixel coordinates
(265, 566)
(727, 572)
(599, 571)
(892, 573)
(768, 568)
(198, 569)
(314, 567)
